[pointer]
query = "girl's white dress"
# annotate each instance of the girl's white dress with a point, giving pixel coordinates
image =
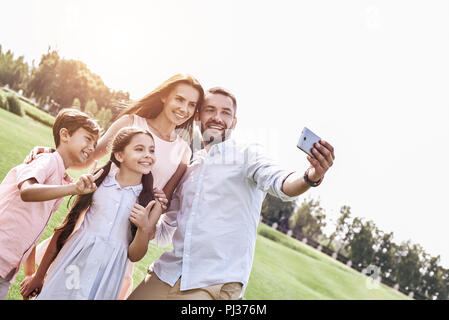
(92, 263)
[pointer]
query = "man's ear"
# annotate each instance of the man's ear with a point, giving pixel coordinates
(197, 116)
(64, 135)
(234, 123)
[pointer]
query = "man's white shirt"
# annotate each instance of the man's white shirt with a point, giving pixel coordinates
(213, 216)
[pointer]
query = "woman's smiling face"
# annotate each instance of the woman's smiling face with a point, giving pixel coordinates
(180, 103)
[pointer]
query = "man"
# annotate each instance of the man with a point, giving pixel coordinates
(214, 213)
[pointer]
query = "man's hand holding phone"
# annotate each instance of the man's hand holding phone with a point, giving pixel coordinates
(324, 159)
(320, 154)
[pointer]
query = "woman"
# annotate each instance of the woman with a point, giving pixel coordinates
(167, 112)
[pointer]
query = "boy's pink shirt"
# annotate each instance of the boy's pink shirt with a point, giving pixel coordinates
(23, 223)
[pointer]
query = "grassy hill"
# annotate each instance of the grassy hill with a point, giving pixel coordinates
(283, 268)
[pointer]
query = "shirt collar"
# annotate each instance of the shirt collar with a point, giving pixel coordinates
(215, 149)
(110, 181)
(61, 168)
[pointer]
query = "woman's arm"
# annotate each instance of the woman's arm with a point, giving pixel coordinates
(102, 147)
(176, 177)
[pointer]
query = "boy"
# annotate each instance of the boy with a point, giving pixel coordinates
(31, 193)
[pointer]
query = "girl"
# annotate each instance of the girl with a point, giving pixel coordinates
(92, 262)
(167, 112)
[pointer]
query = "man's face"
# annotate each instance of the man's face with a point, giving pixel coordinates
(217, 117)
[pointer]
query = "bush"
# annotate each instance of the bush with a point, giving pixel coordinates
(3, 103)
(39, 115)
(14, 105)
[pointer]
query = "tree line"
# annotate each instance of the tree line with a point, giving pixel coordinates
(364, 243)
(58, 83)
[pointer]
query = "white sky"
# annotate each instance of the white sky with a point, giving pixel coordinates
(370, 77)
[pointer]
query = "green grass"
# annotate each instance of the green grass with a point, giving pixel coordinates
(283, 268)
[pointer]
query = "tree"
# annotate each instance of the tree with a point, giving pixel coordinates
(104, 117)
(76, 104)
(63, 80)
(341, 224)
(276, 210)
(43, 82)
(308, 220)
(362, 244)
(409, 266)
(348, 233)
(91, 108)
(385, 257)
(432, 277)
(13, 72)
(70, 83)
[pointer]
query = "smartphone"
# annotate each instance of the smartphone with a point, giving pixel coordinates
(307, 140)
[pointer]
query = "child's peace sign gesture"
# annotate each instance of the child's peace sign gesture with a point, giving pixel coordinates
(86, 183)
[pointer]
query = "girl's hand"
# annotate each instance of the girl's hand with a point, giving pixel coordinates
(86, 183)
(140, 216)
(30, 287)
(161, 197)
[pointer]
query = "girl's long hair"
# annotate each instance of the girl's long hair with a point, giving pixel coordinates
(83, 202)
(150, 106)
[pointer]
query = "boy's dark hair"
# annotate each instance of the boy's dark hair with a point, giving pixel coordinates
(220, 90)
(72, 120)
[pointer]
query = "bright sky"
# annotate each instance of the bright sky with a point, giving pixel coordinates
(370, 77)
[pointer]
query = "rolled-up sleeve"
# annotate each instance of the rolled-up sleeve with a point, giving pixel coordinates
(167, 224)
(267, 175)
(40, 169)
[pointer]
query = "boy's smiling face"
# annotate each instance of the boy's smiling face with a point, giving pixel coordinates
(79, 145)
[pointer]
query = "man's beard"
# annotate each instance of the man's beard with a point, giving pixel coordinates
(214, 138)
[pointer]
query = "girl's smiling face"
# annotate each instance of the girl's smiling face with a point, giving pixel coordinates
(138, 156)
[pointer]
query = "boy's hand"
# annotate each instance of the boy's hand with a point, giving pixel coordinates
(161, 197)
(86, 183)
(37, 150)
(30, 287)
(325, 157)
(140, 216)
